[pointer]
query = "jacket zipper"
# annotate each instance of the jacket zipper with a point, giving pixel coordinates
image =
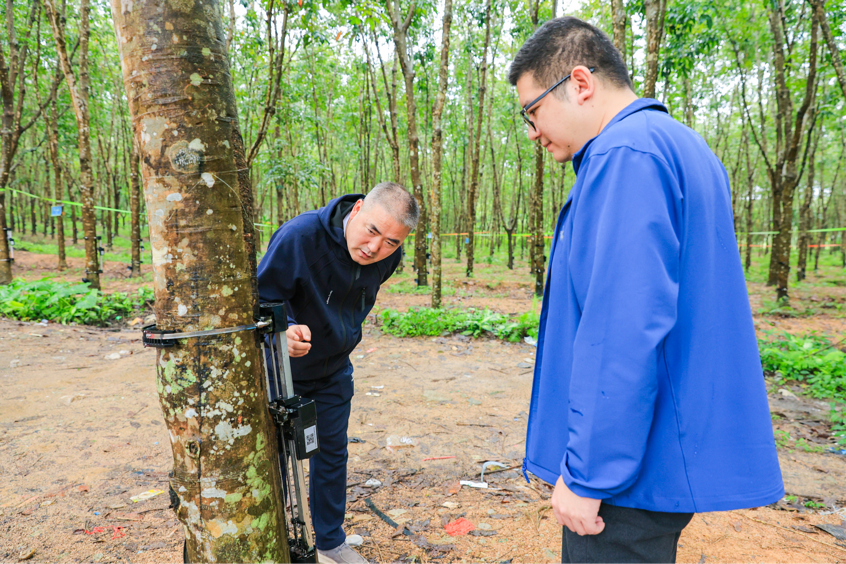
(341, 305)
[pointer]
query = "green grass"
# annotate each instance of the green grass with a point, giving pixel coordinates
(65, 303)
(424, 321)
(120, 251)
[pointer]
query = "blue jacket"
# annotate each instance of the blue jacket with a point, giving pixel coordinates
(648, 389)
(308, 266)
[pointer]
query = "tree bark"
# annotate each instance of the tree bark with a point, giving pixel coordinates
(837, 62)
(437, 154)
(537, 258)
(477, 141)
(12, 91)
(784, 176)
(654, 12)
(52, 127)
(805, 214)
(618, 10)
(79, 90)
(211, 389)
(135, 209)
(400, 33)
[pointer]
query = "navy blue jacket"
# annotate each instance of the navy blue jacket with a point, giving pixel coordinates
(308, 266)
(648, 389)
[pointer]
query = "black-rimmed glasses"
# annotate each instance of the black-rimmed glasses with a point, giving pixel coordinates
(524, 112)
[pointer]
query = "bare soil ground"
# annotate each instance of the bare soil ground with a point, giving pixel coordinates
(81, 434)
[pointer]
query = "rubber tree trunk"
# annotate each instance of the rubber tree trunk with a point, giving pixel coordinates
(784, 177)
(477, 140)
(400, 33)
(52, 123)
(79, 90)
(834, 51)
(805, 215)
(134, 209)
(618, 10)
(654, 11)
(437, 155)
(212, 393)
(537, 258)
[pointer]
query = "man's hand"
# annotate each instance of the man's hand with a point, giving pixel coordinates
(579, 514)
(297, 337)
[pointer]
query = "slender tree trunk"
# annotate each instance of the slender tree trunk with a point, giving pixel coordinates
(618, 10)
(79, 89)
(477, 141)
(654, 11)
(12, 81)
(212, 392)
(833, 49)
(74, 230)
(52, 123)
(135, 209)
(784, 177)
(400, 32)
(805, 214)
(437, 154)
(537, 258)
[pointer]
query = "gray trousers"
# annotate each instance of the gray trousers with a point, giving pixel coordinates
(630, 535)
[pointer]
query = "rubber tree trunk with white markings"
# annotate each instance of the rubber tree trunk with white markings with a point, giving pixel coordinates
(225, 464)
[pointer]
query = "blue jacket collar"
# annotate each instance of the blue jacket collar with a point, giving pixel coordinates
(634, 107)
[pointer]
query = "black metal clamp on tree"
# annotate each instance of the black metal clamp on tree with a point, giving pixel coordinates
(295, 417)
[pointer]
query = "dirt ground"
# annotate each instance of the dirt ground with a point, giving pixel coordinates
(80, 434)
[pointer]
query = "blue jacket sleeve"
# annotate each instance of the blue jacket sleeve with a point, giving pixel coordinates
(624, 263)
(279, 270)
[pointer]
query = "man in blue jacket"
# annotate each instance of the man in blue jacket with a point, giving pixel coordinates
(327, 265)
(648, 402)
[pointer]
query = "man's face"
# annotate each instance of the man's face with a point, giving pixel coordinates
(373, 234)
(560, 125)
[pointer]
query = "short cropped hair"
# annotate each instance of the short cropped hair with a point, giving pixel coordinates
(395, 200)
(561, 44)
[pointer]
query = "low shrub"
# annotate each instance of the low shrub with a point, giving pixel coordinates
(64, 302)
(810, 359)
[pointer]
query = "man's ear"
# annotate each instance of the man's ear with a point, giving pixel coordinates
(583, 83)
(356, 208)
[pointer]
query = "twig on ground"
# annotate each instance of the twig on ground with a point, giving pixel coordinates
(807, 536)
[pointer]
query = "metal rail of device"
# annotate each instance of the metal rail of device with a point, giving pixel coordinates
(295, 417)
(296, 429)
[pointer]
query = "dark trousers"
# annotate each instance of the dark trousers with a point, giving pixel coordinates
(630, 535)
(327, 488)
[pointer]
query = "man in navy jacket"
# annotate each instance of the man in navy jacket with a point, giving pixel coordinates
(648, 402)
(327, 265)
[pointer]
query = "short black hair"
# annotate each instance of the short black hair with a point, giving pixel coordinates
(561, 44)
(396, 201)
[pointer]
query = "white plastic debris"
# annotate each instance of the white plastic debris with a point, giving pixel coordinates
(530, 341)
(373, 483)
(472, 484)
(112, 356)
